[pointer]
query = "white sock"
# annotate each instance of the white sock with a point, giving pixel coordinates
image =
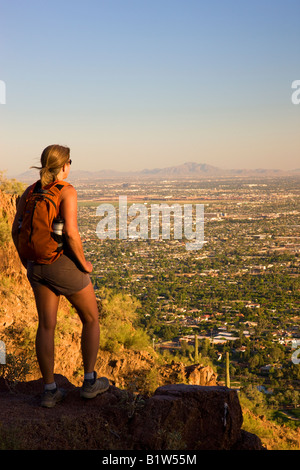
(51, 386)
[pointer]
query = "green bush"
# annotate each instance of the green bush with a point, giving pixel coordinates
(5, 231)
(11, 186)
(15, 370)
(118, 320)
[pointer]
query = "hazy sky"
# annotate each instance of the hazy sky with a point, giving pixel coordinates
(133, 84)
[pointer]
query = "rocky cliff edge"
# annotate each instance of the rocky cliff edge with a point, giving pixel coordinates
(176, 417)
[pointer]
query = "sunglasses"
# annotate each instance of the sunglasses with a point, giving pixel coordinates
(69, 162)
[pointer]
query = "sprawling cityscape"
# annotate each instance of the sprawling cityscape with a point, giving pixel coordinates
(238, 293)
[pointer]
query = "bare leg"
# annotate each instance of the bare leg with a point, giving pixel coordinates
(47, 305)
(85, 303)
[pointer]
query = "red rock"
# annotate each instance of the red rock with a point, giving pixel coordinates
(176, 417)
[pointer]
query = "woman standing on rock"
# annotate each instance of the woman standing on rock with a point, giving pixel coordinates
(56, 266)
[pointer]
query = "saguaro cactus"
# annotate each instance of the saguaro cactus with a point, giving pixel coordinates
(227, 378)
(196, 349)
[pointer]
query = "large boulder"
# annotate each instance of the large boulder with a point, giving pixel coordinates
(176, 417)
(190, 417)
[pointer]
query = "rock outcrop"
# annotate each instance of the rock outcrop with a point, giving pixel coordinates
(176, 417)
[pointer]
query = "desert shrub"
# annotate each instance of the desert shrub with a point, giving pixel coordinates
(10, 186)
(5, 231)
(118, 318)
(15, 370)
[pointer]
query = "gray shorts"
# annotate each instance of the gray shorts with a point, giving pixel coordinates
(63, 276)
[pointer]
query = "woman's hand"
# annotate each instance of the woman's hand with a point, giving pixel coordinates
(88, 267)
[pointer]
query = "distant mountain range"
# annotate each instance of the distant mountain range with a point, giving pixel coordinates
(183, 171)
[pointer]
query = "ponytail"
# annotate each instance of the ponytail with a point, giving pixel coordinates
(46, 176)
(53, 159)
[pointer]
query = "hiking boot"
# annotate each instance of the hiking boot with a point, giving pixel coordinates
(92, 388)
(50, 398)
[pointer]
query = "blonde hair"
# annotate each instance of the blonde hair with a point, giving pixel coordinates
(53, 159)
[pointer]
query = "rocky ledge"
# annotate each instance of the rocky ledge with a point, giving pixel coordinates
(176, 417)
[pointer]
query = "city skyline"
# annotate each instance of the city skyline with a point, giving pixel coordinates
(131, 85)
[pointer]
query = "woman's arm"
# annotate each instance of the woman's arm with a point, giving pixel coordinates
(68, 211)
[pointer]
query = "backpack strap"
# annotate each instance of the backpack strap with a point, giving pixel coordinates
(36, 188)
(55, 184)
(60, 186)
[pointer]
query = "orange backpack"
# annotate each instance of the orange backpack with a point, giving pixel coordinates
(37, 241)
